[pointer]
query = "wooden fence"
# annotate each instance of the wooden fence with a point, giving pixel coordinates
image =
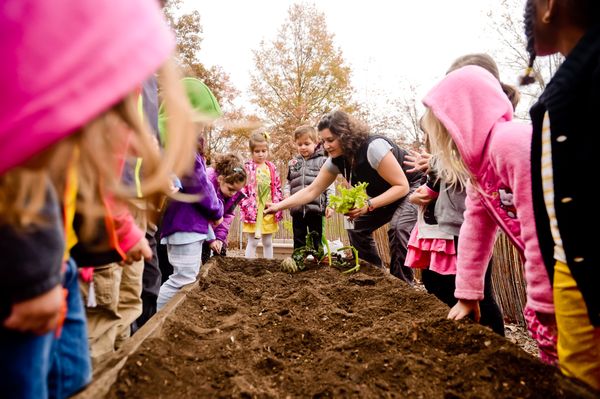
(507, 274)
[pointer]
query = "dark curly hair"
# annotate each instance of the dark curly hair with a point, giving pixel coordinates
(351, 132)
(529, 21)
(231, 167)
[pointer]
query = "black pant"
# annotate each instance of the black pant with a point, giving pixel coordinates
(402, 219)
(151, 282)
(443, 285)
(304, 224)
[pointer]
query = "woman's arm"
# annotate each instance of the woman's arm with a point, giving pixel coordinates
(392, 172)
(323, 180)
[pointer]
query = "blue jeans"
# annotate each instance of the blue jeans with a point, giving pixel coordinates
(24, 364)
(71, 368)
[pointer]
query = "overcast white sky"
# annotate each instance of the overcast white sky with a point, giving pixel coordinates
(386, 42)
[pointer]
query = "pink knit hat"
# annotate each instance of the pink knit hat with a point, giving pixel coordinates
(66, 61)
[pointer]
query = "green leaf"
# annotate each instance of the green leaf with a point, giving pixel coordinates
(349, 198)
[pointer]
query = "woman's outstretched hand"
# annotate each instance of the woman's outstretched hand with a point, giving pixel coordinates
(464, 308)
(270, 208)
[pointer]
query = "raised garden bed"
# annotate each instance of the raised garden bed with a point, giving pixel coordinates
(249, 330)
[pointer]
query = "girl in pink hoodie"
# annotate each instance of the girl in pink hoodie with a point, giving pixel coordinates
(66, 130)
(475, 143)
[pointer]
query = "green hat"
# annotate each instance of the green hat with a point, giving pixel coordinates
(202, 100)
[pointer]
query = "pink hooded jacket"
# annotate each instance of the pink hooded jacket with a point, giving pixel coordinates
(470, 103)
(249, 205)
(66, 61)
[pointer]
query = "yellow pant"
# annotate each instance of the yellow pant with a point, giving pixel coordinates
(578, 340)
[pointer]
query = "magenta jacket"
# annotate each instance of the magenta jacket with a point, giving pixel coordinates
(229, 204)
(472, 106)
(248, 206)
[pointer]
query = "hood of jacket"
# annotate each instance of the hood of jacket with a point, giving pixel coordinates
(470, 102)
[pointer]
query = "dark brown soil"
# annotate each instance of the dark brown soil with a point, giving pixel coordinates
(249, 330)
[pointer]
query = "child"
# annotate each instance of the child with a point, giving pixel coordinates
(434, 240)
(228, 177)
(83, 108)
(564, 152)
(302, 170)
(475, 143)
(432, 246)
(187, 225)
(262, 178)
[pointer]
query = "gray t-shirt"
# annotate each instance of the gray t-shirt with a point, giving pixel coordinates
(377, 149)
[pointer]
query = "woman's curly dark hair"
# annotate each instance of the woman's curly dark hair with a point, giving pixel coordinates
(231, 167)
(351, 132)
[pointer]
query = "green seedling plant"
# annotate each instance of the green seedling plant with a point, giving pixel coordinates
(349, 198)
(263, 193)
(288, 226)
(297, 261)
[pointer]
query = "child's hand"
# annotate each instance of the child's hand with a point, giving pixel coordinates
(418, 161)
(137, 252)
(38, 315)
(420, 196)
(217, 222)
(329, 212)
(216, 246)
(464, 308)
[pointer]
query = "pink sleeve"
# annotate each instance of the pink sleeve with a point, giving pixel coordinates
(121, 226)
(515, 146)
(128, 234)
(431, 193)
(475, 246)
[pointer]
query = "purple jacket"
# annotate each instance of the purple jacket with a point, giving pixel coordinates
(229, 205)
(193, 217)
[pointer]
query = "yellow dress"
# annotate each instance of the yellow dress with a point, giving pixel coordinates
(269, 225)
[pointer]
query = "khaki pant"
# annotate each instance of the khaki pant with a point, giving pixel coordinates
(118, 296)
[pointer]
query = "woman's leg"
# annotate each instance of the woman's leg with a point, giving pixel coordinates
(251, 246)
(361, 237)
(186, 260)
(401, 225)
(267, 242)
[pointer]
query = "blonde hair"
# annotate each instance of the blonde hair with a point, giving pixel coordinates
(446, 158)
(306, 130)
(101, 143)
(258, 138)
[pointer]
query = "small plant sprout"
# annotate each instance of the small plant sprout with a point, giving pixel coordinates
(297, 261)
(263, 193)
(349, 198)
(288, 226)
(356, 267)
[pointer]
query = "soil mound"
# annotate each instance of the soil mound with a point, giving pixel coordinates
(250, 330)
